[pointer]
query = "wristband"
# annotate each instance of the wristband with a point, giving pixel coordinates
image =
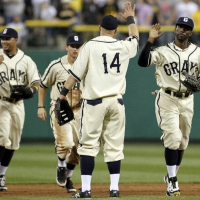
(41, 106)
(36, 88)
(64, 91)
(130, 20)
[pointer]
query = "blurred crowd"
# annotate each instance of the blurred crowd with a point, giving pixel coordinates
(14, 13)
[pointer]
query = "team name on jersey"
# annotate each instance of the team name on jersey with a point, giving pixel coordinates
(19, 76)
(173, 67)
(60, 85)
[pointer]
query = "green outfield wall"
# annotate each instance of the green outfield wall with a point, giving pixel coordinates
(139, 103)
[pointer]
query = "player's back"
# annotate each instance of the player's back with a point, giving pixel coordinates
(107, 61)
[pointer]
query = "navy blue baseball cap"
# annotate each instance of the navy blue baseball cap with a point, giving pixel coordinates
(109, 22)
(9, 33)
(185, 21)
(74, 39)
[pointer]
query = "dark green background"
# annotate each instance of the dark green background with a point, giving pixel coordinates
(140, 113)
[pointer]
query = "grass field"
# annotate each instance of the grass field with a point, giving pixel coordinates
(143, 163)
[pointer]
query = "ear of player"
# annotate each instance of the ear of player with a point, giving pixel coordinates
(191, 83)
(19, 92)
(63, 111)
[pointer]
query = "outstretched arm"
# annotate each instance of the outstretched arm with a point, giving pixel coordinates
(42, 114)
(143, 60)
(129, 14)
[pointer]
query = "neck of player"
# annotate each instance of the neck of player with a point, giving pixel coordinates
(181, 44)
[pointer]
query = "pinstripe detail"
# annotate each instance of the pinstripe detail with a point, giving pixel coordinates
(16, 68)
(179, 66)
(191, 54)
(50, 69)
(149, 60)
(76, 77)
(35, 81)
(42, 85)
(159, 109)
(104, 41)
(134, 37)
(82, 113)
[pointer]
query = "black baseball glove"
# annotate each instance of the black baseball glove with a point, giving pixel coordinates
(63, 111)
(191, 83)
(21, 92)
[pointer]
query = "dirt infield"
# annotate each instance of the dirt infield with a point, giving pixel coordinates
(98, 190)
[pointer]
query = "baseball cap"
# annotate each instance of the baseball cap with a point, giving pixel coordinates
(109, 22)
(74, 39)
(185, 21)
(9, 33)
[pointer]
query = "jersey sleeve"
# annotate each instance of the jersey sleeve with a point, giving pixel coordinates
(49, 75)
(79, 68)
(33, 75)
(131, 46)
(155, 57)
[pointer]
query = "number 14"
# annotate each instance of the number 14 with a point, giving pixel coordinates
(115, 63)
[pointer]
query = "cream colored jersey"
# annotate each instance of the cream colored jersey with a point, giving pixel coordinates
(55, 76)
(18, 70)
(171, 61)
(105, 65)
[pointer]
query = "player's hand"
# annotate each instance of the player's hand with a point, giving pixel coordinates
(129, 10)
(154, 32)
(42, 114)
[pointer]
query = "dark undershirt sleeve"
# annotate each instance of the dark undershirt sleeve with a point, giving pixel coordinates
(143, 60)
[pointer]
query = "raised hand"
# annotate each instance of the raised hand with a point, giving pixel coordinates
(129, 10)
(154, 32)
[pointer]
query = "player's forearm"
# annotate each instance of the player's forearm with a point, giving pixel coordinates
(41, 97)
(70, 82)
(143, 60)
(133, 30)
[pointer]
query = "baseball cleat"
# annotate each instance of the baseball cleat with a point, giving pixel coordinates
(69, 186)
(172, 186)
(82, 195)
(61, 177)
(3, 183)
(114, 194)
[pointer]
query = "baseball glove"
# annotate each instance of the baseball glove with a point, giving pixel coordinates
(63, 111)
(21, 92)
(191, 83)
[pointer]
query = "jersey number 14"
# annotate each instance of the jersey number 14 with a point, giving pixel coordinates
(115, 63)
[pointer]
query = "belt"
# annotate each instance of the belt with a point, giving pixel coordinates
(8, 99)
(178, 94)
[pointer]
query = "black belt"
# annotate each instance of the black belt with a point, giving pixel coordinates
(178, 94)
(8, 99)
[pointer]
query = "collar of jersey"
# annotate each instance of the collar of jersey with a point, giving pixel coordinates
(179, 49)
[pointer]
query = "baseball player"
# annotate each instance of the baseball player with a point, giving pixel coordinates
(102, 65)
(174, 103)
(66, 137)
(19, 79)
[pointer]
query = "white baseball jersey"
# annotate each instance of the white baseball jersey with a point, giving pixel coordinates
(171, 61)
(18, 70)
(105, 65)
(55, 77)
